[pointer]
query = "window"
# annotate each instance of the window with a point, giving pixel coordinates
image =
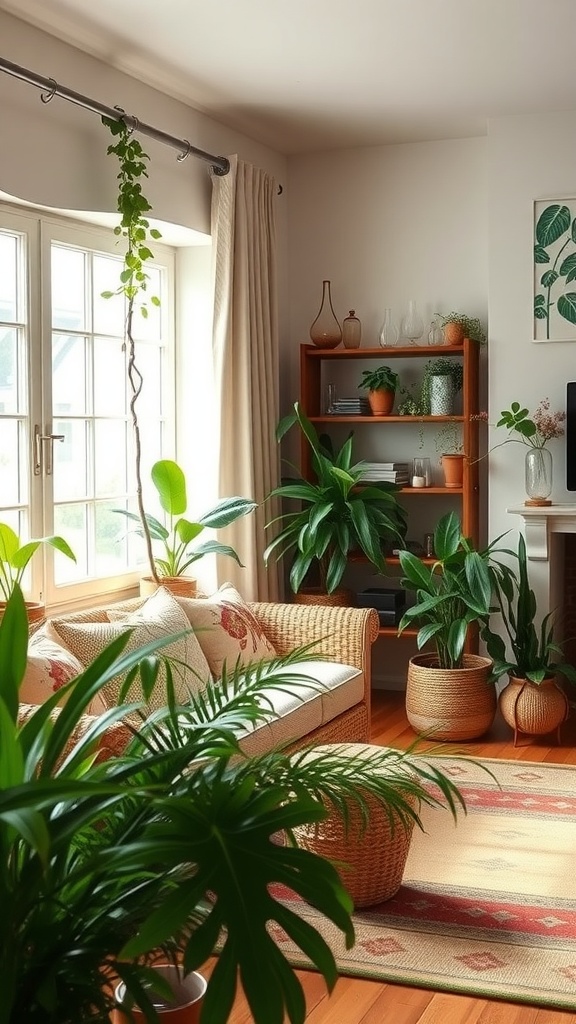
(66, 435)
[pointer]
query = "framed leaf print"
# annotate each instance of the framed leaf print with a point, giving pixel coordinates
(555, 270)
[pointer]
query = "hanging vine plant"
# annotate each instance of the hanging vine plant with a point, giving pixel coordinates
(135, 229)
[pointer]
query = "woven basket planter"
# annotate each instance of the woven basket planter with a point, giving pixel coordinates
(533, 709)
(450, 704)
(370, 856)
(342, 597)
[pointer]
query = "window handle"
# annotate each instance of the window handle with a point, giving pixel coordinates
(39, 438)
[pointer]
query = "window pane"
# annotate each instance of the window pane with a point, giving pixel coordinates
(69, 389)
(111, 556)
(109, 378)
(9, 370)
(10, 459)
(70, 460)
(8, 278)
(110, 470)
(108, 313)
(70, 522)
(148, 361)
(68, 289)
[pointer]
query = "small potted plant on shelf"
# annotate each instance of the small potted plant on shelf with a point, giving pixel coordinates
(171, 844)
(381, 384)
(441, 381)
(457, 326)
(338, 516)
(14, 559)
(449, 695)
(532, 702)
(179, 534)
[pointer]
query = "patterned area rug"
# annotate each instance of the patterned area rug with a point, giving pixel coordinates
(488, 906)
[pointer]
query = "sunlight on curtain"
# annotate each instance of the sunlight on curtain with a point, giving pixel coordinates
(245, 339)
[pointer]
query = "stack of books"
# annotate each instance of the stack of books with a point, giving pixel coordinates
(386, 472)
(350, 407)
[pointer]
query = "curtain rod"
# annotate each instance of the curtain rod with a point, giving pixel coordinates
(220, 164)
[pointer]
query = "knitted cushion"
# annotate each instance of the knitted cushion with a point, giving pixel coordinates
(226, 628)
(160, 616)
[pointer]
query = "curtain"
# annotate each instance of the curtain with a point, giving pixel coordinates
(245, 349)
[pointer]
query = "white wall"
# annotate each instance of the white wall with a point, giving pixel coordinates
(385, 225)
(529, 158)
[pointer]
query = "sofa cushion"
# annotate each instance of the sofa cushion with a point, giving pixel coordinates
(158, 617)
(49, 666)
(301, 709)
(226, 628)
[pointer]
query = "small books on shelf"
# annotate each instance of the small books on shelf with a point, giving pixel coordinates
(387, 472)
(350, 407)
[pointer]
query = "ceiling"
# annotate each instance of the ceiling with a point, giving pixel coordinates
(312, 75)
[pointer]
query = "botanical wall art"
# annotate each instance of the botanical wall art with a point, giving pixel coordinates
(555, 270)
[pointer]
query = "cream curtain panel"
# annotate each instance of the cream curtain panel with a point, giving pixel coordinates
(245, 347)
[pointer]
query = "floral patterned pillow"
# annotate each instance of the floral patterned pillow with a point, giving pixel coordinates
(48, 668)
(226, 629)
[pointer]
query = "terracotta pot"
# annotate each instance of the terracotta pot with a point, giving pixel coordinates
(450, 703)
(36, 612)
(453, 466)
(341, 597)
(533, 708)
(381, 401)
(453, 333)
(181, 586)
(189, 991)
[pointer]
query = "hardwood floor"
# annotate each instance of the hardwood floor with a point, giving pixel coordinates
(354, 1001)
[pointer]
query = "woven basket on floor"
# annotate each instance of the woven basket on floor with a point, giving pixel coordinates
(450, 704)
(534, 709)
(370, 855)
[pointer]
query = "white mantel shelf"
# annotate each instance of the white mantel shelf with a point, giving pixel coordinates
(542, 521)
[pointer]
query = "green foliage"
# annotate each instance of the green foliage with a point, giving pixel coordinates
(338, 514)
(135, 230)
(553, 224)
(15, 556)
(381, 379)
(451, 594)
(173, 844)
(178, 535)
(534, 654)
(472, 326)
(517, 419)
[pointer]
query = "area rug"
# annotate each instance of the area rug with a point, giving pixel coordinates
(487, 906)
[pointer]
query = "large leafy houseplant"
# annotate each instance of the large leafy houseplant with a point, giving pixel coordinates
(15, 556)
(338, 514)
(525, 651)
(172, 844)
(178, 534)
(451, 594)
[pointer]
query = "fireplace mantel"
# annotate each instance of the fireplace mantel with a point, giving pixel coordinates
(540, 522)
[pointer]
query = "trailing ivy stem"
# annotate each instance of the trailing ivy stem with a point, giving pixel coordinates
(136, 382)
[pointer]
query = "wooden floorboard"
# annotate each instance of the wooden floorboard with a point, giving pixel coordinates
(356, 1001)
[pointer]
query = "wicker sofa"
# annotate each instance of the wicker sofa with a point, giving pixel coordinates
(338, 711)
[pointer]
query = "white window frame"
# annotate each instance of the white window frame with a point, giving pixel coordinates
(41, 230)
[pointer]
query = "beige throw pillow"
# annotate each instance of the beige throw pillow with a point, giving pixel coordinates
(226, 629)
(160, 616)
